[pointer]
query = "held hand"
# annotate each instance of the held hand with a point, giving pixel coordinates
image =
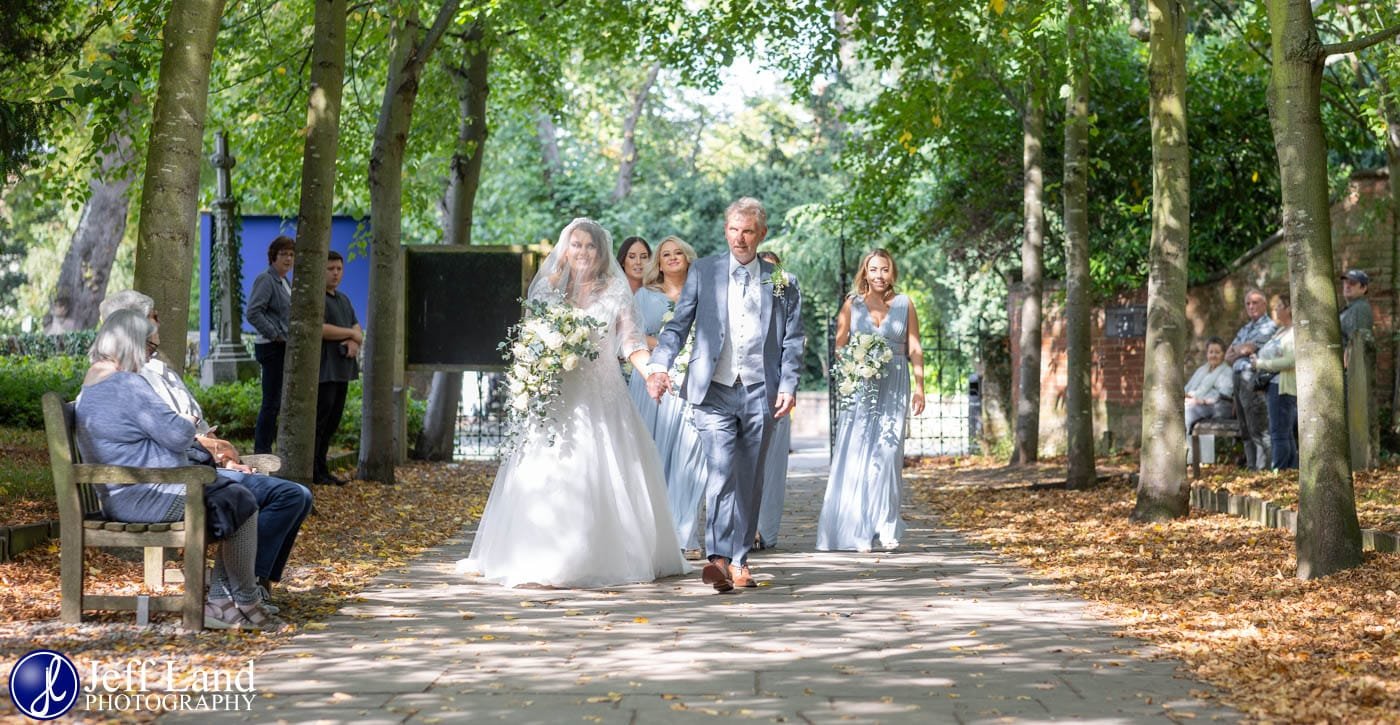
(917, 402)
(786, 402)
(657, 385)
(223, 452)
(352, 348)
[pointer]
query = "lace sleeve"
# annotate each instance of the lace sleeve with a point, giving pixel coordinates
(628, 333)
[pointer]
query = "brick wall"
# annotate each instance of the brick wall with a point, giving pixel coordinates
(1361, 238)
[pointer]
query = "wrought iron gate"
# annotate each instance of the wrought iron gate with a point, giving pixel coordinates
(481, 416)
(950, 423)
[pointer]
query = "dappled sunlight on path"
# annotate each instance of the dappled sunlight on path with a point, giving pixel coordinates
(938, 631)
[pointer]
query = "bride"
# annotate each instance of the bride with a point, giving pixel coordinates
(586, 506)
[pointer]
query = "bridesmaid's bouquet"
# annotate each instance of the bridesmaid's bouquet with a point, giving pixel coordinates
(553, 337)
(860, 365)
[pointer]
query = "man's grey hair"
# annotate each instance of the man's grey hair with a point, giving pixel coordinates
(122, 340)
(750, 207)
(127, 299)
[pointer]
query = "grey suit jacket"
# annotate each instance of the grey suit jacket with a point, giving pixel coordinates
(704, 304)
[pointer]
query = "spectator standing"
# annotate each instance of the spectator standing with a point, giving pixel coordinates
(1250, 406)
(341, 338)
(270, 314)
(1210, 393)
(1277, 356)
(1357, 315)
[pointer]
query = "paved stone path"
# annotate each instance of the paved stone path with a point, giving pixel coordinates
(940, 631)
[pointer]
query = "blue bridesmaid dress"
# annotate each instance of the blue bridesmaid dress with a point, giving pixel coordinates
(673, 428)
(863, 492)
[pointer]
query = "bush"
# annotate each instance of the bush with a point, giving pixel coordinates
(41, 347)
(231, 406)
(234, 408)
(24, 380)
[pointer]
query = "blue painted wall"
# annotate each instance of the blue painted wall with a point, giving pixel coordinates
(258, 232)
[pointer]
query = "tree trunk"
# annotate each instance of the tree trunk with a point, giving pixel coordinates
(381, 423)
(82, 281)
(1163, 492)
(1391, 109)
(1027, 447)
(437, 440)
(1079, 413)
(169, 214)
(628, 162)
(1329, 537)
(296, 434)
(549, 150)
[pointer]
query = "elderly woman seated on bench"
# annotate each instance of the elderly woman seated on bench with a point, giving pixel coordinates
(121, 421)
(1210, 392)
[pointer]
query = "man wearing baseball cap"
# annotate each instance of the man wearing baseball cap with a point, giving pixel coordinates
(1358, 314)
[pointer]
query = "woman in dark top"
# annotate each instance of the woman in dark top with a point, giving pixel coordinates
(121, 421)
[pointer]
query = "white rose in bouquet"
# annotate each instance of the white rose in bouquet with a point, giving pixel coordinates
(570, 361)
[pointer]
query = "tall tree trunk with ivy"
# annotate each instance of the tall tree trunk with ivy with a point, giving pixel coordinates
(410, 47)
(436, 441)
(165, 241)
(1329, 536)
(301, 382)
(1079, 411)
(1163, 493)
(1027, 445)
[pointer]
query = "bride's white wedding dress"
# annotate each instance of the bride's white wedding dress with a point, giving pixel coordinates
(588, 510)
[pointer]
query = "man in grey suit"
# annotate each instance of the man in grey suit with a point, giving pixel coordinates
(742, 377)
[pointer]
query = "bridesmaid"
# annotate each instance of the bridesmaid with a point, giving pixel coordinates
(632, 257)
(775, 468)
(674, 431)
(863, 492)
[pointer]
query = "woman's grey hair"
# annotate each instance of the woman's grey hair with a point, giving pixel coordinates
(122, 340)
(127, 299)
(651, 276)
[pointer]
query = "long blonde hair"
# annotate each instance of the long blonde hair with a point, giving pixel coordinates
(651, 276)
(862, 286)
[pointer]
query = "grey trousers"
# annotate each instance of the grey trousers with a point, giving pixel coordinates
(735, 423)
(1218, 409)
(1252, 410)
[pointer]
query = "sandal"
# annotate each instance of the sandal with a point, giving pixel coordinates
(222, 614)
(255, 616)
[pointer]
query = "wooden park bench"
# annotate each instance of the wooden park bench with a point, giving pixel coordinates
(81, 525)
(1218, 427)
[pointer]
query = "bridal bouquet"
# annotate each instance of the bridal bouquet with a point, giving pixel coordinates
(860, 365)
(552, 338)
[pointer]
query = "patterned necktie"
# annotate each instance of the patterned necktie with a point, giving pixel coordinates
(741, 274)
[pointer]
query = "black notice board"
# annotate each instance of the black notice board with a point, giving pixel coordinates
(459, 302)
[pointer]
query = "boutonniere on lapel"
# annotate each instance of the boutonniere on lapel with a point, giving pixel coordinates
(778, 279)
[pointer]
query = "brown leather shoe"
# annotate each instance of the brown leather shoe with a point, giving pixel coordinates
(716, 574)
(741, 577)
